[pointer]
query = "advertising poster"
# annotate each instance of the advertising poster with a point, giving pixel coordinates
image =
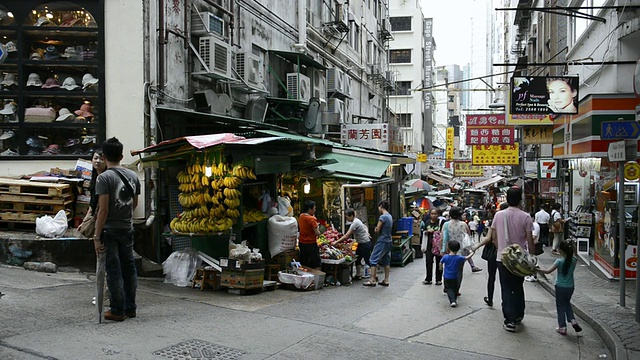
(544, 95)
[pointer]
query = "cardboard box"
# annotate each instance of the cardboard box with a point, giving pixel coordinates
(285, 258)
(227, 263)
(242, 279)
(318, 276)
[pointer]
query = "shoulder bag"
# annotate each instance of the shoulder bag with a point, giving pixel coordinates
(489, 252)
(88, 225)
(125, 181)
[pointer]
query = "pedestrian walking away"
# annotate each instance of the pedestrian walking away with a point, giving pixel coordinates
(451, 263)
(431, 226)
(557, 227)
(512, 226)
(564, 287)
(117, 189)
(381, 254)
(535, 233)
(542, 218)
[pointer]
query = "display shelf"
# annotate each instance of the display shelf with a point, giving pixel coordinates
(59, 94)
(70, 32)
(62, 63)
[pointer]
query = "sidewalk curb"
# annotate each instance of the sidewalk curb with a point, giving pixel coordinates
(610, 338)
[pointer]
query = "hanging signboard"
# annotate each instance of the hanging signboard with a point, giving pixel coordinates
(537, 135)
(497, 135)
(450, 138)
(486, 120)
(495, 154)
(383, 137)
(544, 95)
(547, 169)
(465, 169)
(530, 119)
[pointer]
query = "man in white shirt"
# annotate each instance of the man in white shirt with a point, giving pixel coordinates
(535, 233)
(542, 218)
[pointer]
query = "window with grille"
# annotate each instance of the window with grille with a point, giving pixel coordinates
(404, 120)
(400, 56)
(400, 23)
(402, 88)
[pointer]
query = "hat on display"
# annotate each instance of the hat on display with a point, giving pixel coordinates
(89, 139)
(43, 21)
(50, 83)
(71, 53)
(69, 83)
(53, 149)
(34, 80)
(9, 109)
(85, 111)
(65, 115)
(35, 56)
(9, 79)
(7, 135)
(11, 46)
(9, 152)
(51, 53)
(88, 80)
(72, 142)
(34, 142)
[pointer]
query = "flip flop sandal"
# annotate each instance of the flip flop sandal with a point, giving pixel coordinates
(369, 283)
(357, 277)
(382, 283)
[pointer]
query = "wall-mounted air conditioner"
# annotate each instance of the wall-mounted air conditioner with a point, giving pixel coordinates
(335, 114)
(342, 15)
(205, 23)
(335, 80)
(347, 85)
(249, 67)
(216, 54)
(319, 85)
(298, 87)
(386, 25)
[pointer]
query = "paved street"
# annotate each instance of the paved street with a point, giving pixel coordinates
(50, 316)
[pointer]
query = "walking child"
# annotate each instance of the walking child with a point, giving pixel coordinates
(564, 287)
(452, 264)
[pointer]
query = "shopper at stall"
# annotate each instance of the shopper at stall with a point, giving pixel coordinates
(542, 218)
(432, 230)
(361, 234)
(557, 228)
(512, 226)
(381, 254)
(308, 239)
(117, 191)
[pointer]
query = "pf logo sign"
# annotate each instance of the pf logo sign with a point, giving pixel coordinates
(547, 169)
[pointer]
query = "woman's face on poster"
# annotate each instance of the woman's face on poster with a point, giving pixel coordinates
(560, 94)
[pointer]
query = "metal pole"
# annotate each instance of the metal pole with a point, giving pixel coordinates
(522, 167)
(621, 231)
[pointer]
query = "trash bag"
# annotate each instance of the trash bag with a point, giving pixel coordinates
(50, 227)
(180, 267)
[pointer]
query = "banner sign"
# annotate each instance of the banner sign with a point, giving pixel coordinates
(466, 170)
(529, 119)
(495, 154)
(544, 95)
(547, 169)
(450, 138)
(383, 137)
(486, 120)
(497, 135)
(538, 135)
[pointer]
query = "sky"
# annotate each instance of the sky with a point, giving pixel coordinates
(451, 28)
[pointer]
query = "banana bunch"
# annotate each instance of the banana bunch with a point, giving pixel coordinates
(185, 188)
(219, 170)
(195, 168)
(233, 213)
(231, 193)
(232, 203)
(183, 177)
(217, 184)
(217, 212)
(232, 182)
(253, 215)
(243, 172)
(217, 198)
(204, 225)
(193, 199)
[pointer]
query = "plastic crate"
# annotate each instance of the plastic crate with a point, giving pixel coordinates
(405, 224)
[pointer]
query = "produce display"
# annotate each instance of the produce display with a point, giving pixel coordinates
(211, 202)
(334, 252)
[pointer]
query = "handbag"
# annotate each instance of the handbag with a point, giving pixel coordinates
(88, 226)
(425, 240)
(489, 252)
(466, 241)
(539, 250)
(516, 259)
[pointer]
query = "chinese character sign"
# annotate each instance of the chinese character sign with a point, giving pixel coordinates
(450, 138)
(498, 135)
(537, 135)
(467, 170)
(383, 137)
(495, 154)
(485, 120)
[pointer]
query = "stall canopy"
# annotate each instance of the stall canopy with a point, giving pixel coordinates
(488, 182)
(354, 167)
(442, 180)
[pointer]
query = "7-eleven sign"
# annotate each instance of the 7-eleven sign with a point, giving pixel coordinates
(547, 169)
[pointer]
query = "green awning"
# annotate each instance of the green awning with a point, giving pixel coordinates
(354, 166)
(297, 137)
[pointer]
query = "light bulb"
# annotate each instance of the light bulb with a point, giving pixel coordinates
(207, 171)
(307, 187)
(49, 16)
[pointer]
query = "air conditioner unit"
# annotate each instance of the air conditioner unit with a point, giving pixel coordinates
(386, 25)
(347, 85)
(249, 67)
(342, 15)
(389, 76)
(298, 87)
(319, 85)
(205, 23)
(337, 106)
(335, 80)
(216, 54)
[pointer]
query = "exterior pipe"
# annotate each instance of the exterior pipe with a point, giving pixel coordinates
(301, 46)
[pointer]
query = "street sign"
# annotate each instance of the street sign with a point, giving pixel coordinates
(627, 129)
(631, 171)
(616, 151)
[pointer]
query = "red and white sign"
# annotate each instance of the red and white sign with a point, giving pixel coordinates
(548, 169)
(486, 120)
(497, 135)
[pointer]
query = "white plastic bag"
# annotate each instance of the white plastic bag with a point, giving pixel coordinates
(48, 226)
(180, 267)
(283, 234)
(284, 206)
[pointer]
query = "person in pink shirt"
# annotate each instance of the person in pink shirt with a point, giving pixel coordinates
(518, 231)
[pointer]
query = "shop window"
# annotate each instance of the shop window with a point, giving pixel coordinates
(52, 98)
(400, 56)
(401, 23)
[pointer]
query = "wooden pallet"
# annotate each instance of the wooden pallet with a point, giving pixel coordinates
(23, 201)
(26, 218)
(31, 207)
(25, 187)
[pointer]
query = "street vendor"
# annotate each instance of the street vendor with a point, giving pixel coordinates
(308, 239)
(361, 234)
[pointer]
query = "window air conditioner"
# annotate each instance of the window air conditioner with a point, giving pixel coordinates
(298, 87)
(249, 67)
(386, 25)
(319, 85)
(216, 54)
(335, 80)
(342, 15)
(347, 85)
(205, 23)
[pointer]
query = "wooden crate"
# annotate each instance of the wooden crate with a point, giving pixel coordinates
(22, 201)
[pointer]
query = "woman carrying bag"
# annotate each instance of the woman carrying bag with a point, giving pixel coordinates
(431, 240)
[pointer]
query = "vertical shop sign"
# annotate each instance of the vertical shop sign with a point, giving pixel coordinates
(368, 194)
(450, 137)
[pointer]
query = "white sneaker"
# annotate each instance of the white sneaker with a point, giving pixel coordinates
(453, 304)
(530, 278)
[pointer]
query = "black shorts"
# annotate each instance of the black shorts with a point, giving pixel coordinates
(310, 255)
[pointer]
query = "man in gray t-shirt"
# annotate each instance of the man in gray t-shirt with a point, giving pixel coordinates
(362, 237)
